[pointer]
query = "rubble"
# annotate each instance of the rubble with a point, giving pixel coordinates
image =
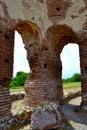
(48, 117)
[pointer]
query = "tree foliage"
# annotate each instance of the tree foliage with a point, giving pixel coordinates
(75, 78)
(19, 79)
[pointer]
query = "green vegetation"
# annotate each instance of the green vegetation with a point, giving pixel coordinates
(75, 78)
(72, 85)
(19, 80)
(17, 83)
(17, 89)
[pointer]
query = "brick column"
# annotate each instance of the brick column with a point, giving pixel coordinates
(44, 81)
(83, 63)
(6, 63)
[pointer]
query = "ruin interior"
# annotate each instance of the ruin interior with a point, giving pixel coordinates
(45, 26)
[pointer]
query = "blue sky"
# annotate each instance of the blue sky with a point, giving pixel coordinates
(69, 57)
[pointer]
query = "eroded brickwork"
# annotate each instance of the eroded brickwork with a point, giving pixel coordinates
(44, 81)
(6, 63)
(43, 48)
(83, 63)
(57, 9)
(5, 102)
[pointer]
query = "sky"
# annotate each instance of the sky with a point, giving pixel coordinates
(69, 58)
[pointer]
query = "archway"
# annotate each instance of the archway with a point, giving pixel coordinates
(70, 67)
(20, 55)
(70, 60)
(59, 36)
(31, 36)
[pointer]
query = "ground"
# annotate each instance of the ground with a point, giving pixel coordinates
(78, 121)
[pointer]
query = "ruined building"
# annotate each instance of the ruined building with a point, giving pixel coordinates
(45, 26)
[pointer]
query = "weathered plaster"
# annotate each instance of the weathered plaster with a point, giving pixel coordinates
(78, 22)
(1, 11)
(36, 11)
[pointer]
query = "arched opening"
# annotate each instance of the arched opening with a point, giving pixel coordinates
(20, 56)
(20, 64)
(70, 67)
(59, 36)
(31, 36)
(70, 60)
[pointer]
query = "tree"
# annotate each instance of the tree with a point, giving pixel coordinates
(75, 78)
(19, 79)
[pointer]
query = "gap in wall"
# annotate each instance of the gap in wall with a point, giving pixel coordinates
(70, 60)
(20, 56)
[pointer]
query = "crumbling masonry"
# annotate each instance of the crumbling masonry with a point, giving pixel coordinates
(45, 26)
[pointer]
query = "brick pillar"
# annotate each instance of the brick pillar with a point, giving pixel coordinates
(83, 63)
(6, 64)
(44, 81)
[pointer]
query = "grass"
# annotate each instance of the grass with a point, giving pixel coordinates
(18, 88)
(70, 85)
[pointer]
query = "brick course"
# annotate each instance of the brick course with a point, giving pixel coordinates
(82, 35)
(43, 54)
(6, 63)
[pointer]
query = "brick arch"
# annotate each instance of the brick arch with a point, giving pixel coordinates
(67, 39)
(27, 26)
(32, 38)
(28, 29)
(60, 35)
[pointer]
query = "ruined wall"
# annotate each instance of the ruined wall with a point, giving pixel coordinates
(83, 63)
(44, 81)
(42, 12)
(6, 63)
(44, 60)
(43, 84)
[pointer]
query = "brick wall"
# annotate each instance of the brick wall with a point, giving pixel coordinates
(83, 63)
(6, 63)
(44, 81)
(5, 102)
(57, 9)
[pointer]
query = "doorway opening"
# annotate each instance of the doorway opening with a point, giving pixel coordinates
(70, 67)
(20, 65)
(20, 56)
